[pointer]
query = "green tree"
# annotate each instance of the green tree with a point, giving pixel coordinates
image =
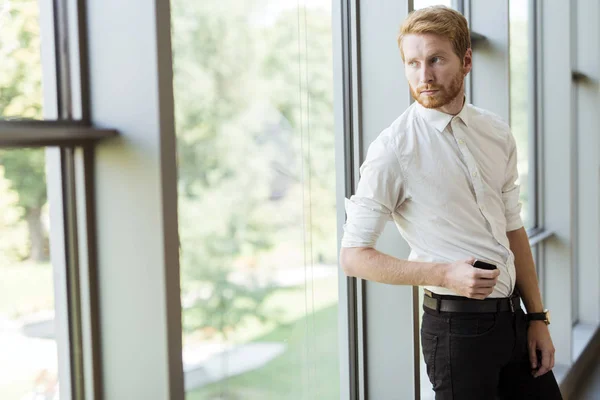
(255, 147)
(297, 70)
(254, 119)
(21, 97)
(24, 169)
(222, 193)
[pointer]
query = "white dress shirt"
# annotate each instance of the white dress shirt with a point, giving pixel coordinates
(449, 184)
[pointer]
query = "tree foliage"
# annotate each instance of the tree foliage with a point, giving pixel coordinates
(21, 97)
(255, 150)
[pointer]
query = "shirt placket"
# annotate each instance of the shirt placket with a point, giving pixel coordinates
(476, 179)
(474, 174)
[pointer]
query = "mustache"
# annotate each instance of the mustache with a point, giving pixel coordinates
(427, 87)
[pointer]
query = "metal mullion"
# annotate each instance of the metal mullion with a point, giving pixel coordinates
(352, 157)
(466, 11)
(360, 339)
(357, 157)
(538, 78)
(574, 174)
(72, 267)
(84, 86)
(90, 318)
(74, 108)
(67, 163)
(54, 178)
(538, 235)
(355, 90)
(45, 134)
(31, 123)
(533, 115)
(76, 37)
(63, 70)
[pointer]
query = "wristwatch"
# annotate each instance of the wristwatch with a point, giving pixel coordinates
(543, 316)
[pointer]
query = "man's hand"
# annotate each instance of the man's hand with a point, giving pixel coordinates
(468, 281)
(538, 338)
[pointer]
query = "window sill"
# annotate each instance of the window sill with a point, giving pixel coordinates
(49, 133)
(586, 347)
(537, 236)
(582, 334)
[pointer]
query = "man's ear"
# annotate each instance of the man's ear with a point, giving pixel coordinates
(468, 61)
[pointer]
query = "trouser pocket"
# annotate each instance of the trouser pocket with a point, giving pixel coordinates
(430, 344)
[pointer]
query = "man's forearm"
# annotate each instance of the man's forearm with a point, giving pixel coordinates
(527, 281)
(372, 265)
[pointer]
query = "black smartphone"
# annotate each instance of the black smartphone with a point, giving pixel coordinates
(484, 265)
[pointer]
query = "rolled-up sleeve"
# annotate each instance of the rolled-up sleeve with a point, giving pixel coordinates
(510, 190)
(380, 192)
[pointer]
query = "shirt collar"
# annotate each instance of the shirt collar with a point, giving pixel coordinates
(439, 120)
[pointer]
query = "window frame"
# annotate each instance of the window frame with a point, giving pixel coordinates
(68, 139)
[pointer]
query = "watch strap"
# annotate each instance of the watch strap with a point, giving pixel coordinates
(536, 316)
(543, 316)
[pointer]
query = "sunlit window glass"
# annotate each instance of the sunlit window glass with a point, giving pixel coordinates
(520, 105)
(28, 334)
(254, 115)
(20, 60)
(427, 3)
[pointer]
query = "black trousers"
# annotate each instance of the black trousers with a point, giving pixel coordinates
(481, 356)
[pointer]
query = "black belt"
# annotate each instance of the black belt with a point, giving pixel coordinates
(449, 304)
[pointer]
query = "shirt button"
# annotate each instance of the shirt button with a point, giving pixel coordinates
(460, 141)
(474, 174)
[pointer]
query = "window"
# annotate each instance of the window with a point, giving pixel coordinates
(44, 324)
(253, 92)
(28, 340)
(428, 3)
(522, 105)
(21, 67)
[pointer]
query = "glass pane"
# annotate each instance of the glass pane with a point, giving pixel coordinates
(520, 104)
(20, 62)
(28, 365)
(427, 3)
(254, 112)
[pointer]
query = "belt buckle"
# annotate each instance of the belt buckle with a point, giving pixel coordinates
(512, 305)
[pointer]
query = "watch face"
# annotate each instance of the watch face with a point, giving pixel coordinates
(547, 317)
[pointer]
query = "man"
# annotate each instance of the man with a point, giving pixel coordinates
(446, 172)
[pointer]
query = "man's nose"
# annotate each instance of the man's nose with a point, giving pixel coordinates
(425, 75)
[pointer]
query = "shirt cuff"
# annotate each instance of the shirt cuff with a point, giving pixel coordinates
(512, 207)
(514, 223)
(366, 220)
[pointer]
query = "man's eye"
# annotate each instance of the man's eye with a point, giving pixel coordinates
(435, 59)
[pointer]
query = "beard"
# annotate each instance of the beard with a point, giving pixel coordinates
(443, 96)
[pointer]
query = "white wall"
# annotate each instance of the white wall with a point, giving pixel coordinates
(138, 266)
(587, 99)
